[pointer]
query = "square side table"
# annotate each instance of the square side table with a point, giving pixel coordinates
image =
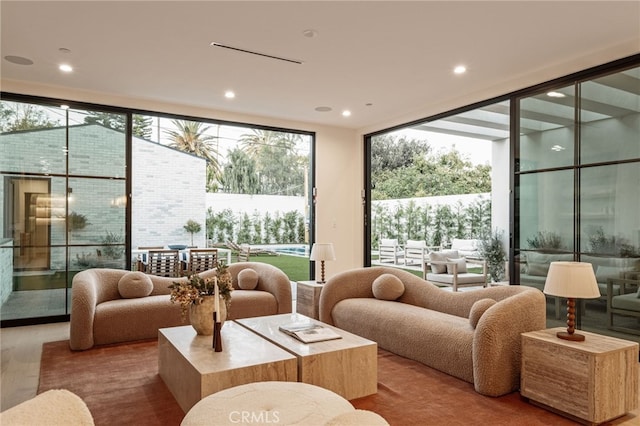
(308, 298)
(593, 381)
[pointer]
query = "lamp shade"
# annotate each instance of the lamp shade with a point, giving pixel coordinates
(322, 251)
(571, 279)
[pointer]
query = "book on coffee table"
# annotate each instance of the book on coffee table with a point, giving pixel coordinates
(309, 333)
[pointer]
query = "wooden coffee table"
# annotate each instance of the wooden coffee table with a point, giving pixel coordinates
(346, 366)
(192, 370)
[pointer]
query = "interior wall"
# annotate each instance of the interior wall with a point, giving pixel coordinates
(339, 165)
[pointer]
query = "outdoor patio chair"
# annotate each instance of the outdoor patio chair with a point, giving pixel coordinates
(389, 250)
(627, 303)
(163, 263)
(244, 253)
(141, 259)
(202, 260)
(417, 251)
(254, 251)
(450, 269)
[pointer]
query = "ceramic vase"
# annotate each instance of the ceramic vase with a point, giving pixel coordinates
(201, 314)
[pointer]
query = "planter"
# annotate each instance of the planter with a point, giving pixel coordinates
(201, 314)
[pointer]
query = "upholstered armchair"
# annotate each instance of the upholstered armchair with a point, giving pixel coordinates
(265, 292)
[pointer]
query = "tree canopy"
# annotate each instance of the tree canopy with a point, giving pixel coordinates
(402, 168)
(18, 116)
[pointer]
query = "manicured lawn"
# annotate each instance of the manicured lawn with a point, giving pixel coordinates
(296, 267)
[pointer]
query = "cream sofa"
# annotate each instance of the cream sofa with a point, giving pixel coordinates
(53, 407)
(100, 315)
(459, 333)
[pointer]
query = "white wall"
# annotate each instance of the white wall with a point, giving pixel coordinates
(500, 192)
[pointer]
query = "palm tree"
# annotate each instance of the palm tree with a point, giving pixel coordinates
(280, 169)
(191, 137)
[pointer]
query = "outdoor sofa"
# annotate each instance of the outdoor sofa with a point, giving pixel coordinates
(472, 335)
(101, 314)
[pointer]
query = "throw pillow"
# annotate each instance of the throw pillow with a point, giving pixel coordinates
(247, 279)
(442, 256)
(135, 284)
(387, 287)
(479, 308)
(461, 264)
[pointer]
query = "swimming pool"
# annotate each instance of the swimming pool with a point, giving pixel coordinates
(301, 250)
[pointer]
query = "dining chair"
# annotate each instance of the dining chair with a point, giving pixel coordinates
(163, 263)
(202, 260)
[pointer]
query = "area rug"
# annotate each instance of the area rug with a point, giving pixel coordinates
(121, 386)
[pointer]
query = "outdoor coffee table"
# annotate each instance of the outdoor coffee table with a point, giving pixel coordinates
(346, 366)
(191, 369)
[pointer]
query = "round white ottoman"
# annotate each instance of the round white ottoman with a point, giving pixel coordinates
(273, 403)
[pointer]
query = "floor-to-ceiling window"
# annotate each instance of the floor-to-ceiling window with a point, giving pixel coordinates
(566, 188)
(76, 194)
(577, 174)
(244, 185)
(61, 179)
(435, 181)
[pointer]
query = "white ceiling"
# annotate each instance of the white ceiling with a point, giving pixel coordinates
(380, 59)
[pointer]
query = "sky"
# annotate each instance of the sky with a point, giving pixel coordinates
(478, 151)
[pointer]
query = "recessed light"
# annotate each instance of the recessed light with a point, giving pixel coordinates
(558, 148)
(460, 69)
(18, 60)
(310, 33)
(323, 109)
(65, 68)
(346, 113)
(229, 94)
(555, 95)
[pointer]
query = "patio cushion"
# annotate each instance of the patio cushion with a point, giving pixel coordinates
(628, 302)
(442, 257)
(464, 278)
(461, 263)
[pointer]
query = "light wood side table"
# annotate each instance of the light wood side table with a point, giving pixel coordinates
(592, 381)
(308, 298)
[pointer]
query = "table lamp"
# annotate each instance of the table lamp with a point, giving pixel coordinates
(571, 280)
(322, 252)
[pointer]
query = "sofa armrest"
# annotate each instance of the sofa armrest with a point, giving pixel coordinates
(345, 285)
(271, 279)
(497, 341)
(89, 288)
